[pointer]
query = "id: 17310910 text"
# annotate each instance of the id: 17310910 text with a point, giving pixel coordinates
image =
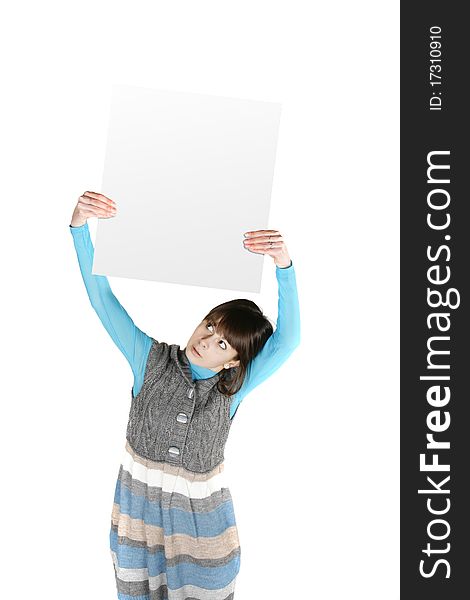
(435, 67)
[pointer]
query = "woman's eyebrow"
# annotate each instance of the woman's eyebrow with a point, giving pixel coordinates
(220, 334)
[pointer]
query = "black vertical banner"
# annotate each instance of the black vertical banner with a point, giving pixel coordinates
(435, 357)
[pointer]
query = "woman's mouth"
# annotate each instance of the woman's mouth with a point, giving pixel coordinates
(195, 352)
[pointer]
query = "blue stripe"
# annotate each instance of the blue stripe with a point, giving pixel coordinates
(184, 573)
(175, 520)
(212, 578)
(133, 557)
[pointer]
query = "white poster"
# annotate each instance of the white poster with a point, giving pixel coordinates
(190, 173)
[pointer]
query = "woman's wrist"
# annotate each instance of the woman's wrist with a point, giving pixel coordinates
(284, 266)
(283, 262)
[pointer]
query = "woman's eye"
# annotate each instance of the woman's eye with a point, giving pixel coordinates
(210, 327)
(223, 345)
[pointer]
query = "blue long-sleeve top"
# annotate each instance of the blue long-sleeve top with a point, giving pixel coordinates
(135, 344)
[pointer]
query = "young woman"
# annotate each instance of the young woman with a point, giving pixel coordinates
(173, 532)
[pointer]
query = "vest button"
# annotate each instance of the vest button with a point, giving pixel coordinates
(182, 418)
(190, 392)
(173, 450)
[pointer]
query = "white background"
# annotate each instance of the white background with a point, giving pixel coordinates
(312, 458)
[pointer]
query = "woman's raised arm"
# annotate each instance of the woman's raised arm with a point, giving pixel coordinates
(286, 336)
(133, 343)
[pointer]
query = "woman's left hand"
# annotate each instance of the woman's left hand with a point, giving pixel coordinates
(270, 242)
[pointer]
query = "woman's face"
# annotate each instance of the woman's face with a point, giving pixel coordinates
(206, 348)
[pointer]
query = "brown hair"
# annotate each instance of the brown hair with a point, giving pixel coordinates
(246, 329)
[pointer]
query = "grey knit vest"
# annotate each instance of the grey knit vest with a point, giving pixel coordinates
(174, 419)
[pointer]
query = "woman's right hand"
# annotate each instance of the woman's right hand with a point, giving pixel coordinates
(92, 204)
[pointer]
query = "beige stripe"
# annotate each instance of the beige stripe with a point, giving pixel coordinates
(205, 547)
(136, 529)
(193, 592)
(172, 469)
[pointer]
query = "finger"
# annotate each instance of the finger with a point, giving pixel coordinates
(263, 239)
(107, 202)
(90, 210)
(275, 239)
(260, 232)
(264, 247)
(101, 197)
(96, 205)
(273, 253)
(95, 211)
(96, 202)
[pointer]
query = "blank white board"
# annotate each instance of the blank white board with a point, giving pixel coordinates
(190, 173)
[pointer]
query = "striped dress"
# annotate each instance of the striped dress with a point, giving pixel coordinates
(173, 532)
